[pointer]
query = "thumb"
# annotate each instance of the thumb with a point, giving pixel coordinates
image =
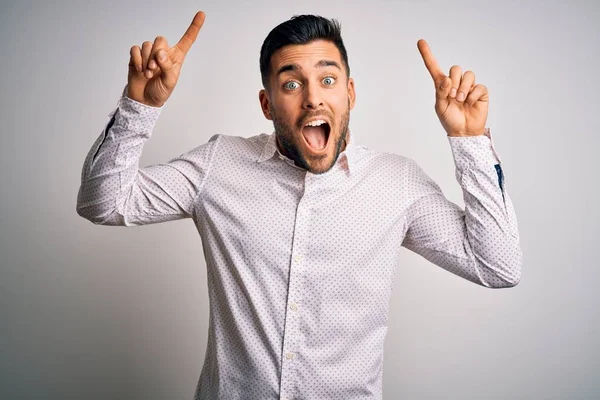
(169, 75)
(442, 90)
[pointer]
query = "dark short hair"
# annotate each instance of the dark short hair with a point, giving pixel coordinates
(300, 29)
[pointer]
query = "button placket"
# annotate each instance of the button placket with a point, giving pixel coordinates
(292, 320)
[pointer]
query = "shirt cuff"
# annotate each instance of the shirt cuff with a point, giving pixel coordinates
(474, 151)
(135, 116)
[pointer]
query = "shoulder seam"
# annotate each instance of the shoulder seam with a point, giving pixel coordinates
(210, 164)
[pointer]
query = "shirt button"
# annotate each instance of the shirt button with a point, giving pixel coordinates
(294, 306)
(298, 258)
(290, 356)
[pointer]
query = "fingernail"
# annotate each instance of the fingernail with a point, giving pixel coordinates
(453, 92)
(161, 55)
(461, 96)
(148, 74)
(139, 68)
(152, 64)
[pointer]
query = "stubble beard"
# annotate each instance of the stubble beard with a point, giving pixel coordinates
(285, 137)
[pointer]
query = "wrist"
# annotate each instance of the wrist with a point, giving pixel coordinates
(465, 134)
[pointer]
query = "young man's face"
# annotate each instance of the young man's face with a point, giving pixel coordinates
(308, 82)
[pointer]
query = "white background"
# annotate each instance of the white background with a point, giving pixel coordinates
(93, 312)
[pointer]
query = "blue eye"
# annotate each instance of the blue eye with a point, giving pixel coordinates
(330, 78)
(287, 85)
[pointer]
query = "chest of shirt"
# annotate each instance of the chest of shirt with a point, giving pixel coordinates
(271, 212)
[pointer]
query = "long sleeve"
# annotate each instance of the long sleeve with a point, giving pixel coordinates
(115, 191)
(479, 243)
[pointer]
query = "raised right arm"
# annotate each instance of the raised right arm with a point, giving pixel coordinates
(115, 191)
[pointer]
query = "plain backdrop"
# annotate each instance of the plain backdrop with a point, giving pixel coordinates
(94, 312)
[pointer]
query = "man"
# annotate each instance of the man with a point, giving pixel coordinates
(302, 228)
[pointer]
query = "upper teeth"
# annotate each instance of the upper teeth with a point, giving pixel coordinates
(316, 123)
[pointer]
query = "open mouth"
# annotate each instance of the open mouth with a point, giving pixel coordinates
(316, 135)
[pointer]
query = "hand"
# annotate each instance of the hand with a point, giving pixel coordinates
(460, 116)
(154, 69)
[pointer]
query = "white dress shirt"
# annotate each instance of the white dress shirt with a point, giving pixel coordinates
(300, 266)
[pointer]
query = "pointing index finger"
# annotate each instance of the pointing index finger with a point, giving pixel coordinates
(191, 33)
(430, 62)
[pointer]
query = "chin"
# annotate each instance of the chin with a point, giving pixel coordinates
(314, 161)
(321, 163)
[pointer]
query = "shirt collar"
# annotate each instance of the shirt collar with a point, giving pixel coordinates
(345, 159)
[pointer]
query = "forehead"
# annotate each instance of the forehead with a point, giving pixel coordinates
(305, 54)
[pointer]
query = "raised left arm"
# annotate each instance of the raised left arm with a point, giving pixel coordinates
(481, 243)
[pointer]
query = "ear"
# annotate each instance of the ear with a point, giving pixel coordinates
(351, 92)
(263, 97)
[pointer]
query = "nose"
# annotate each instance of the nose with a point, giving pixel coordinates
(313, 99)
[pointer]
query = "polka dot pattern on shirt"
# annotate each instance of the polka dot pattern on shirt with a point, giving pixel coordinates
(300, 267)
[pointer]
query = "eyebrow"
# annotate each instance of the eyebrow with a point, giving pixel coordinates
(297, 67)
